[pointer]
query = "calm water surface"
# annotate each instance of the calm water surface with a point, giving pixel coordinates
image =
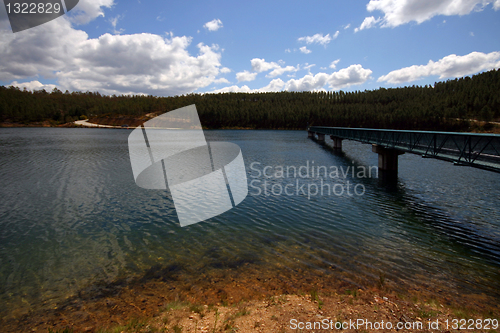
(71, 216)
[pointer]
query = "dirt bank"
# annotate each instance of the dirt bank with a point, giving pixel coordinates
(246, 298)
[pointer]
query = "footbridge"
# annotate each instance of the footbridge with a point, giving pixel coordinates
(479, 150)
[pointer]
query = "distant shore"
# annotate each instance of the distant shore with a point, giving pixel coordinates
(86, 123)
(122, 122)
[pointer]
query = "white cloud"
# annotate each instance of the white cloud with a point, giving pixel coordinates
(347, 26)
(245, 76)
(308, 67)
(288, 51)
(114, 22)
(225, 70)
(110, 64)
(234, 88)
(318, 39)
(274, 85)
(368, 22)
(213, 25)
(449, 66)
(281, 70)
(334, 63)
(261, 65)
(308, 82)
(41, 51)
(88, 10)
(221, 80)
(34, 85)
(304, 50)
(352, 75)
(399, 12)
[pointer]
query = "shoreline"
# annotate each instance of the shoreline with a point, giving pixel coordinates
(86, 124)
(168, 296)
(95, 125)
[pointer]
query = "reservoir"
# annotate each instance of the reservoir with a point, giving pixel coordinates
(72, 219)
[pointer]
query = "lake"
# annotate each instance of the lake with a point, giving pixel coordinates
(72, 217)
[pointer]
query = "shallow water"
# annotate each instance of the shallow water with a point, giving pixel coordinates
(71, 216)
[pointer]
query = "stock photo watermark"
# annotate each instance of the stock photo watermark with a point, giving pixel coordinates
(170, 152)
(309, 180)
(29, 14)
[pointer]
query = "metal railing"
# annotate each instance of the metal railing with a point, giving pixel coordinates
(479, 150)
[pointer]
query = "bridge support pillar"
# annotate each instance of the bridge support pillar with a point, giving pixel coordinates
(310, 134)
(337, 142)
(387, 160)
(321, 137)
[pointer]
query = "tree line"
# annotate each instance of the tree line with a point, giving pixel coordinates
(446, 106)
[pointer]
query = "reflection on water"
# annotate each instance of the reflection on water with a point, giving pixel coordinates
(72, 217)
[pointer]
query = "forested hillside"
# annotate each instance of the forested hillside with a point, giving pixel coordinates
(438, 107)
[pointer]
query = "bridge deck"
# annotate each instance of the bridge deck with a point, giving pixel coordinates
(478, 150)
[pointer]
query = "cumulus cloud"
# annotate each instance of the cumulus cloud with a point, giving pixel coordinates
(304, 50)
(308, 82)
(318, 39)
(352, 75)
(245, 76)
(221, 80)
(368, 22)
(34, 85)
(235, 88)
(281, 70)
(213, 25)
(88, 10)
(274, 85)
(261, 65)
(142, 63)
(449, 66)
(397, 12)
(41, 51)
(111, 64)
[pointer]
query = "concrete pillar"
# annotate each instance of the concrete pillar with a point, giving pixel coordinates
(337, 142)
(321, 137)
(310, 134)
(387, 158)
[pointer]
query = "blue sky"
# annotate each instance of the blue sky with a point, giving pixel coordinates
(172, 48)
